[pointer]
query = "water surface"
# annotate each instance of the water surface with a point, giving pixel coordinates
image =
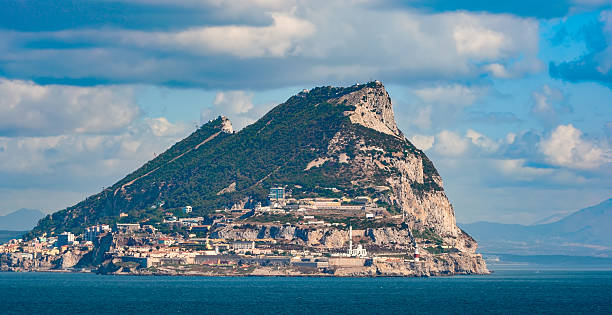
(524, 291)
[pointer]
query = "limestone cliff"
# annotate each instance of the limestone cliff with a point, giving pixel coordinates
(403, 176)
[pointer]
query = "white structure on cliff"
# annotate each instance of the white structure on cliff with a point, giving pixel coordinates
(359, 251)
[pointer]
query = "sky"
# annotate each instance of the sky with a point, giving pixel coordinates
(512, 101)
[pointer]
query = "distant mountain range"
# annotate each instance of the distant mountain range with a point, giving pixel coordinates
(6, 236)
(20, 220)
(585, 232)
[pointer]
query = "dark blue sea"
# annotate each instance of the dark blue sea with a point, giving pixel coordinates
(505, 292)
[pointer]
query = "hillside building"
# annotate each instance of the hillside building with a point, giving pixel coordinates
(243, 245)
(92, 232)
(127, 227)
(276, 194)
(65, 238)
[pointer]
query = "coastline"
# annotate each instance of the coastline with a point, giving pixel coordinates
(431, 266)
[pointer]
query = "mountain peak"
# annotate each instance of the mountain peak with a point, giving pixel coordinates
(226, 125)
(373, 108)
(221, 122)
(327, 142)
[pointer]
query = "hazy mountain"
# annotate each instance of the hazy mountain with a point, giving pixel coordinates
(20, 220)
(9, 235)
(552, 218)
(584, 232)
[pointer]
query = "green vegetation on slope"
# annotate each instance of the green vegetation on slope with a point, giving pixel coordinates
(273, 151)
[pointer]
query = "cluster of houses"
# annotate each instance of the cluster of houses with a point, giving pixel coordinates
(148, 247)
(363, 206)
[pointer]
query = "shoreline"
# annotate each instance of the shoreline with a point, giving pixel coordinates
(231, 275)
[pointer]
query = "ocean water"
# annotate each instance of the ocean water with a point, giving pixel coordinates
(505, 292)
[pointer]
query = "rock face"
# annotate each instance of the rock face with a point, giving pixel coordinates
(393, 238)
(373, 109)
(226, 125)
(416, 188)
(20, 262)
(69, 259)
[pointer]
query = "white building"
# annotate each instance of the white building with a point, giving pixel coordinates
(187, 209)
(242, 245)
(92, 232)
(127, 227)
(359, 251)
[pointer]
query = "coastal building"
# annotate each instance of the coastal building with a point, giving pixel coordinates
(92, 232)
(359, 251)
(64, 239)
(310, 262)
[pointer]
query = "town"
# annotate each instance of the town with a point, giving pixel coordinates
(312, 236)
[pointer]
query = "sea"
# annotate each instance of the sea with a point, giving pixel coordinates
(503, 292)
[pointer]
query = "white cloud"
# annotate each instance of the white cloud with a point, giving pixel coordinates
(510, 138)
(458, 95)
(449, 143)
(310, 41)
(234, 102)
(161, 127)
(479, 42)
(238, 106)
(27, 108)
(422, 142)
(516, 69)
(548, 104)
(482, 141)
(498, 70)
(81, 157)
(423, 117)
(281, 38)
(566, 147)
(516, 169)
(485, 37)
(441, 104)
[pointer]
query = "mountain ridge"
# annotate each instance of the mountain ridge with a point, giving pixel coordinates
(583, 232)
(323, 142)
(20, 220)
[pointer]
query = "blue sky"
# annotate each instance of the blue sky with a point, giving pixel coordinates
(512, 101)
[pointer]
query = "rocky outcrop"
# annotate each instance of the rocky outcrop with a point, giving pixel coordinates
(390, 236)
(328, 141)
(441, 265)
(373, 109)
(24, 262)
(226, 125)
(396, 238)
(416, 188)
(69, 259)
